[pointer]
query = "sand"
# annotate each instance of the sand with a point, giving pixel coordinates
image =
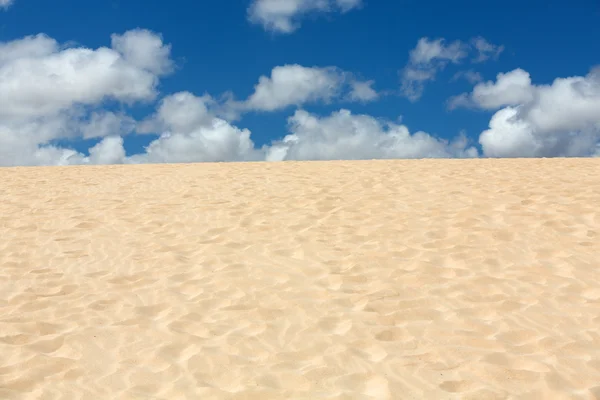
(407, 279)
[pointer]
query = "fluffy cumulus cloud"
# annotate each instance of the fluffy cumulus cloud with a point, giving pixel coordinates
(193, 134)
(144, 50)
(109, 151)
(284, 16)
(560, 119)
(296, 85)
(343, 135)
(431, 56)
(4, 4)
(48, 92)
(181, 112)
(511, 88)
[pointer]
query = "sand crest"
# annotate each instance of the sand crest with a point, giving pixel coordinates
(408, 279)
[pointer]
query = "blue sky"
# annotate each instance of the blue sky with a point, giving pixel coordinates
(220, 47)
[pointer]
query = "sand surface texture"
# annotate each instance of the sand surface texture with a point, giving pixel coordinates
(422, 279)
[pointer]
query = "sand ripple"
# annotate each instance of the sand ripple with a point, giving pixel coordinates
(439, 279)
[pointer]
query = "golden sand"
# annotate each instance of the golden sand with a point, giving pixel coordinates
(406, 279)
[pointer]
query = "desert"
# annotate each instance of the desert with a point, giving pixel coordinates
(374, 279)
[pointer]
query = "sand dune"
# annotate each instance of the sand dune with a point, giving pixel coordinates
(409, 279)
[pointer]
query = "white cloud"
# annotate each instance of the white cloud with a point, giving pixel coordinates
(510, 89)
(413, 81)
(295, 85)
(181, 112)
(429, 50)
(560, 119)
(49, 93)
(38, 79)
(343, 135)
(105, 123)
(431, 56)
(362, 91)
(6, 3)
(191, 132)
(567, 104)
(219, 141)
(145, 50)
(109, 151)
(485, 49)
(425, 60)
(29, 47)
(284, 16)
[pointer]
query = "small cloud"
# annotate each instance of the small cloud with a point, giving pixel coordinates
(363, 91)
(4, 4)
(425, 61)
(296, 85)
(431, 56)
(485, 50)
(283, 16)
(428, 51)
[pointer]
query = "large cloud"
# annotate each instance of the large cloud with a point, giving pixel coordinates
(343, 135)
(39, 79)
(193, 134)
(190, 132)
(559, 119)
(283, 16)
(48, 92)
